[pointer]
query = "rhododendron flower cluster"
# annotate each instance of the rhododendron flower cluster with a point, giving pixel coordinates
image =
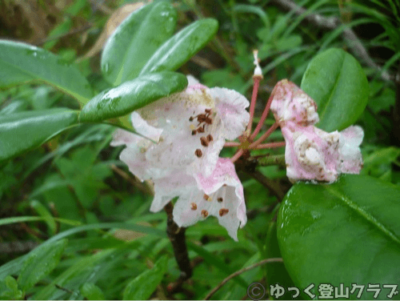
(188, 130)
(311, 153)
(180, 138)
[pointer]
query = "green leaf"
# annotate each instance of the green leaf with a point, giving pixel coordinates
(23, 131)
(182, 46)
(276, 271)
(91, 292)
(40, 263)
(337, 83)
(22, 219)
(14, 107)
(21, 63)
(43, 212)
(144, 285)
(9, 289)
(135, 40)
(346, 232)
(127, 226)
(132, 95)
(217, 262)
(81, 267)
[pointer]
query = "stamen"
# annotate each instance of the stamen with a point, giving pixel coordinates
(220, 200)
(208, 111)
(193, 206)
(191, 118)
(201, 129)
(204, 141)
(198, 153)
(194, 132)
(210, 138)
(204, 213)
(201, 118)
(208, 120)
(223, 211)
(205, 197)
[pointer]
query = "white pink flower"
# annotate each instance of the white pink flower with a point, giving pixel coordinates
(186, 132)
(311, 153)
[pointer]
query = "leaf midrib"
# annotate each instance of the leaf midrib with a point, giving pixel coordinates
(367, 216)
(333, 89)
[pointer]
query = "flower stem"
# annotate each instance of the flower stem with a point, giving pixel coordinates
(271, 160)
(256, 80)
(263, 116)
(177, 237)
(231, 144)
(237, 156)
(271, 145)
(264, 136)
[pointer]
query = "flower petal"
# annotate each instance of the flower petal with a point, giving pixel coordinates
(122, 137)
(167, 188)
(349, 149)
(311, 154)
(224, 184)
(290, 103)
(231, 108)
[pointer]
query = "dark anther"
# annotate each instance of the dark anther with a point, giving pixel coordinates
(223, 211)
(204, 141)
(198, 153)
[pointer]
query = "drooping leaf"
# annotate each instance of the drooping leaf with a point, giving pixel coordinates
(21, 63)
(40, 262)
(135, 40)
(337, 83)
(347, 232)
(181, 47)
(132, 95)
(20, 132)
(145, 284)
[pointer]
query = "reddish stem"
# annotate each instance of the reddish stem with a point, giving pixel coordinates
(237, 156)
(256, 80)
(231, 144)
(264, 136)
(271, 145)
(263, 116)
